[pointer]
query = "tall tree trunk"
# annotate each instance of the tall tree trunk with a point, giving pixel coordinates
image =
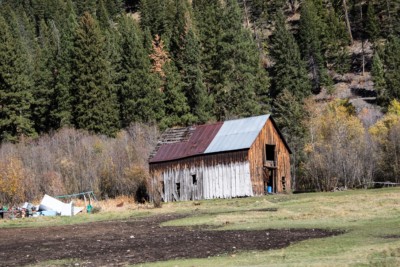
(389, 18)
(258, 40)
(246, 14)
(346, 15)
(292, 6)
(362, 42)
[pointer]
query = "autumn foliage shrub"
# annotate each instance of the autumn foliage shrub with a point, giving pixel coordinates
(339, 151)
(71, 161)
(12, 181)
(386, 134)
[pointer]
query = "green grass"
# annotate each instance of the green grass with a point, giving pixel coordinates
(369, 217)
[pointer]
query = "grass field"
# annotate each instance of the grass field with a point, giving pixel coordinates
(370, 219)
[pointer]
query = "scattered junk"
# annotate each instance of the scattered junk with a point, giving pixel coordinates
(49, 206)
(25, 210)
(52, 207)
(88, 197)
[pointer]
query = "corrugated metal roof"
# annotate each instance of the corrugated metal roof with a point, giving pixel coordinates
(198, 142)
(212, 138)
(237, 134)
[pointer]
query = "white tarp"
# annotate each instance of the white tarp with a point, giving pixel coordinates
(77, 209)
(64, 209)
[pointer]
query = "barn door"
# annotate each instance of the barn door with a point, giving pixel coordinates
(270, 166)
(269, 181)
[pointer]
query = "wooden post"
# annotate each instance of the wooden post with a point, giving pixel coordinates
(84, 198)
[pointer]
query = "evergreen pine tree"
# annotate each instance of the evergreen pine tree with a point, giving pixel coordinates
(178, 22)
(139, 95)
(147, 41)
(192, 77)
(392, 67)
(262, 90)
(378, 76)
(83, 6)
(289, 71)
(334, 42)
(290, 115)
(275, 7)
(310, 35)
(259, 10)
(27, 31)
(208, 15)
(371, 24)
(153, 17)
(22, 29)
(260, 19)
(114, 7)
(102, 15)
(43, 92)
(239, 64)
(388, 13)
(61, 114)
(113, 45)
(15, 88)
(95, 103)
(177, 110)
(170, 84)
(47, 10)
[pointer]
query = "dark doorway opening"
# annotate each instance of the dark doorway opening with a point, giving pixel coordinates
(178, 190)
(269, 181)
(194, 179)
(284, 183)
(141, 194)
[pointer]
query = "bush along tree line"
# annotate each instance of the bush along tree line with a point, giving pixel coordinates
(91, 69)
(73, 160)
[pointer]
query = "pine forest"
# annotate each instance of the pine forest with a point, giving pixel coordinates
(87, 86)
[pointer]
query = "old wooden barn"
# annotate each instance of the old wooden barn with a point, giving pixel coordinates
(236, 158)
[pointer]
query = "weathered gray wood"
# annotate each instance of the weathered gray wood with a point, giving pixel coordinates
(216, 181)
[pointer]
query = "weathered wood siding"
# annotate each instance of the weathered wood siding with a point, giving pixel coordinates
(256, 155)
(222, 175)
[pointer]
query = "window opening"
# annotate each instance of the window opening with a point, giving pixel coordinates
(194, 179)
(163, 187)
(270, 152)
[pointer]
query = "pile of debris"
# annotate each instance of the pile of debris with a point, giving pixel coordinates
(49, 206)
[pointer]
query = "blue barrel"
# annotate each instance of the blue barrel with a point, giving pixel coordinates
(269, 189)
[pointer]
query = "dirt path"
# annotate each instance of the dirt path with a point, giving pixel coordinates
(135, 241)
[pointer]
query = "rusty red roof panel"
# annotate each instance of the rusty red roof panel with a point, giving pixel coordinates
(197, 144)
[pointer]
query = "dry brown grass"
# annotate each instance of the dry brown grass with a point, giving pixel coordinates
(121, 203)
(118, 204)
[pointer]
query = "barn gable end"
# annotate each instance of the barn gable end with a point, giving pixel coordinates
(265, 170)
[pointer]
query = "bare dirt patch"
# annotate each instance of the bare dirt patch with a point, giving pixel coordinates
(391, 236)
(135, 241)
